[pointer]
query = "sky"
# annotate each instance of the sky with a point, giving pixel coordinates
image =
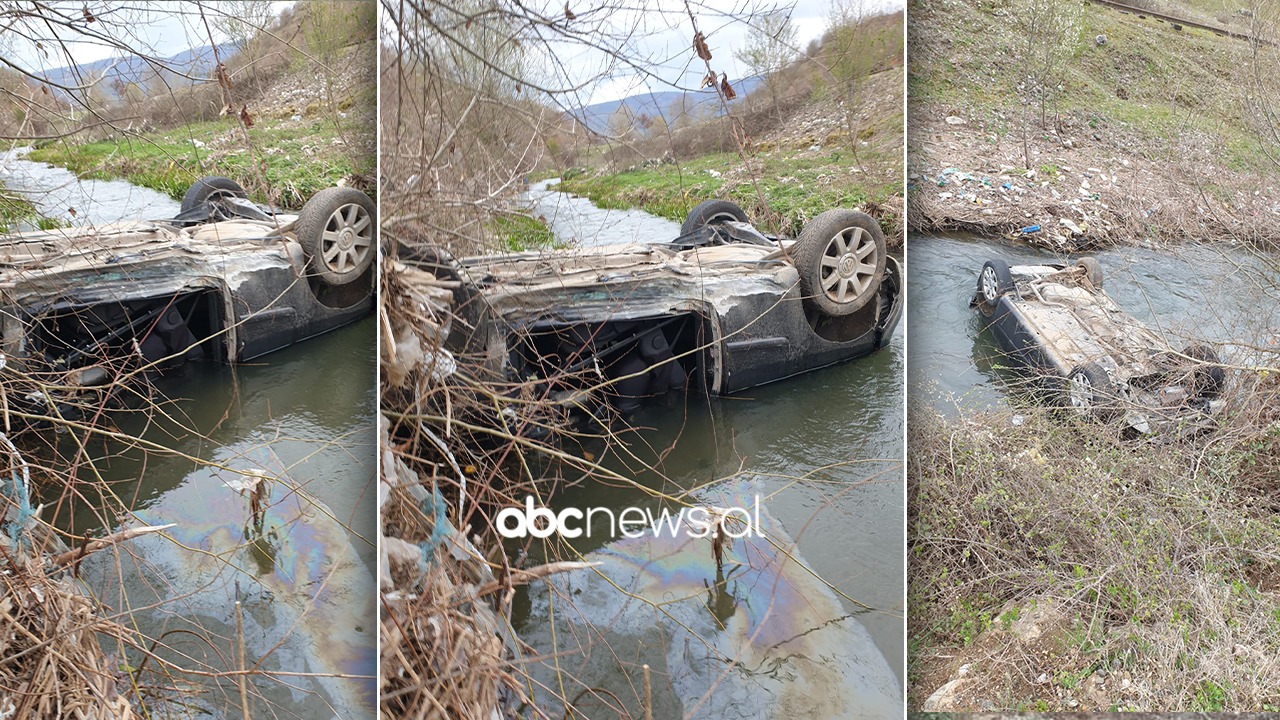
(159, 29)
(665, 36)
(655, 32)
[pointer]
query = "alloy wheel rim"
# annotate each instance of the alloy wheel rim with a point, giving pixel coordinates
(347, 239)
(848, 265)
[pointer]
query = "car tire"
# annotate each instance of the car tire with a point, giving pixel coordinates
(1092, 270)
(209, 188)
(841, 256)
(1090, 392)
(1209, 378)
(994, 281)
(712, 212)
(337, 228)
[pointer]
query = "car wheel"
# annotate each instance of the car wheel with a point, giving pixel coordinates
(712, 212)
(1092, 270)
(994, 281)
(1209, 378)
(336, 228)
(841, 255)
(211, 188)
(1090, 392)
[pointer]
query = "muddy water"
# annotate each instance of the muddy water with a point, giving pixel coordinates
(806, 624)
(58, 193)
(304, 418)
(1221, 294)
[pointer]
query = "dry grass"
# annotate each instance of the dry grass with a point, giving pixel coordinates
(1158, 560)
(456, 446)
(51, 645)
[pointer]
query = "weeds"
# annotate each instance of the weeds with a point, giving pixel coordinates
(291, 162)
(1158, 555)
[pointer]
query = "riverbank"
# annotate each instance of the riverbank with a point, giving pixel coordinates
(303, 139)
(801, 168)
(17, 211)
(1127, 576)
(1150, 142)
(1057, 565)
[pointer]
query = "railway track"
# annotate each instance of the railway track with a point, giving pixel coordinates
(1181, 21)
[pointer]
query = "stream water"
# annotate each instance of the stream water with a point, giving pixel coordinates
(577, 221)
(1224, 294)
(304, 418)
(806, 624)
(58, 193)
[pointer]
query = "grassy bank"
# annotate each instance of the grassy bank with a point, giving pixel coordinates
(1153, 133)
(16, 210)
(1054, 567)
(517, 233)
(282, 162)
(797, 185)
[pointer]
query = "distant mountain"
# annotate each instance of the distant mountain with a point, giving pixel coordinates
(132, 70)
(660, 104)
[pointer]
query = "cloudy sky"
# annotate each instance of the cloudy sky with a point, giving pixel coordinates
(662, 36)
(653, 34)
(158, 29)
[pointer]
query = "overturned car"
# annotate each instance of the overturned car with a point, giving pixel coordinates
(1055, 320)
(722, 308)
(225, 280)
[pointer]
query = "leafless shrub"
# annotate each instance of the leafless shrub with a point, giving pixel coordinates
(1159, 553)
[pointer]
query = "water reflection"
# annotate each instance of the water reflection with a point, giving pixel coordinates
(761, 638)
(303, 575)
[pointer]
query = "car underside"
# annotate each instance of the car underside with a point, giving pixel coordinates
(225, 281)
(718, 310)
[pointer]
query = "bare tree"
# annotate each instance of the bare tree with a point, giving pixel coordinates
(243, 23)
(623, 123)
(771, 44)
(1050, 31)
(849, 62)
(680, 112)
(1260, 99)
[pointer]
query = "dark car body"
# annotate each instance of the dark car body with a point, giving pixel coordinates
(83, 306)
(641, 319)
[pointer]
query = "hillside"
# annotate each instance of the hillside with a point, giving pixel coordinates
(309, 92)
(824, 143)
(1153, 137)
(665, 105)
(115, 75)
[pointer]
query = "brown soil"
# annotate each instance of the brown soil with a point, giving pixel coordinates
(1106, 182)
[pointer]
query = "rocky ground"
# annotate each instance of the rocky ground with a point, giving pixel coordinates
(1085, 188)
(1150, 140)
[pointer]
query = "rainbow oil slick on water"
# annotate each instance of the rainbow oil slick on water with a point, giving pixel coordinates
(305, 594)
(764, 638)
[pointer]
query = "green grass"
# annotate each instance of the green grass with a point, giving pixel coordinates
(517, 233)
(285, 166)
(13, 210)
(16, 210)
(795, 187)
(1146, 79)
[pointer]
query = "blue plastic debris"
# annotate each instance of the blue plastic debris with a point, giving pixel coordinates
(441, 528)
(1030, 229)
(18, 491)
